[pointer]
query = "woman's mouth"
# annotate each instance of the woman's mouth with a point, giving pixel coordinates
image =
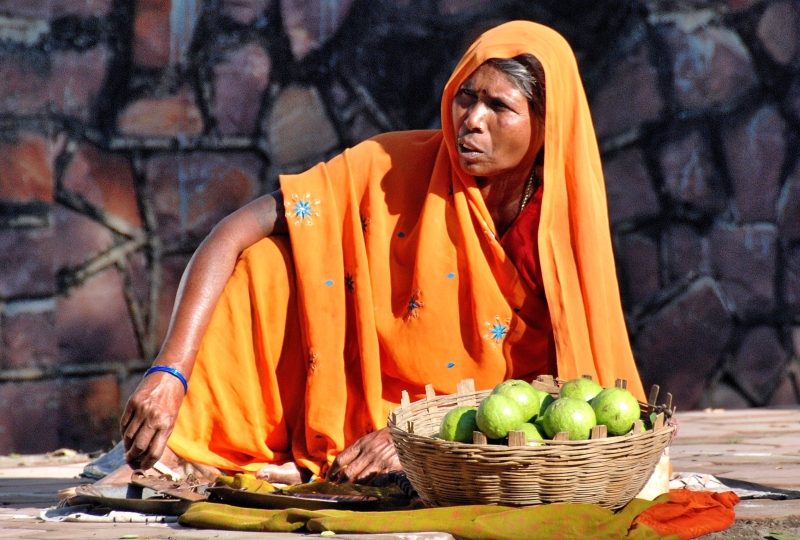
(468, 151)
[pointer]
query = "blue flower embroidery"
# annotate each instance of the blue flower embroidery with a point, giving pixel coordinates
(413, 305)
(497, 330)
(302, 209)
(451, 364)
(349, 282)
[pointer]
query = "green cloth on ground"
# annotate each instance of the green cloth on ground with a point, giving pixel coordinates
(567, 521)
(245, 481)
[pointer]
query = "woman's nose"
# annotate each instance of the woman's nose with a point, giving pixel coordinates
(476, 116)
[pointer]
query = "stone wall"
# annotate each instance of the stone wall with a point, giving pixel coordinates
(130, 127)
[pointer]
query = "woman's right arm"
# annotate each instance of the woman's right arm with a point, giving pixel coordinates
(151, 411)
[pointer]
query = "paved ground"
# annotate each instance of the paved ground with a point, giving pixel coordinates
(755, 445)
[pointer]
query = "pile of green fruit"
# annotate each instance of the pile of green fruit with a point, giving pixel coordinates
(515, 405)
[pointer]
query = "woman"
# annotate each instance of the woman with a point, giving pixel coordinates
(479, 251)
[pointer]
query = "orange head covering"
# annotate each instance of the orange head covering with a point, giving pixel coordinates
(574, 237)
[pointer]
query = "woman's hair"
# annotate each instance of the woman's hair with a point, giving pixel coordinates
(527, 73)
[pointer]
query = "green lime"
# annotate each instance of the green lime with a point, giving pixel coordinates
(531, 432)
(526, 396)
(584, 389)
(572, 415)
(497, 415)
(617, 409)
(458, 424)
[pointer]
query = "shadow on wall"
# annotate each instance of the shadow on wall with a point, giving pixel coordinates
(131, 127)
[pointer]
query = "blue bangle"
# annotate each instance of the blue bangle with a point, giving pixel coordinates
(171, 371)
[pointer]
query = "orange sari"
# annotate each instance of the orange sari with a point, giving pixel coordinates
(395, 278)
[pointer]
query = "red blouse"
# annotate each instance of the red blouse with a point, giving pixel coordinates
(521, 243)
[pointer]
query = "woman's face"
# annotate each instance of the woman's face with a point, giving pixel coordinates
(497, 134)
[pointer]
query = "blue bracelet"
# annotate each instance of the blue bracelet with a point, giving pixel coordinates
(171, 371)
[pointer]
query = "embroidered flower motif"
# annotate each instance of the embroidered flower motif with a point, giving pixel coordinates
(349, 282)
(302, 209)
(497, 330)
(312, 361)
(413, 305)
(364, 222)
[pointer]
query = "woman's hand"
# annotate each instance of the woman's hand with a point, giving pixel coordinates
(151, 411)
(149, 419)
(368, 461)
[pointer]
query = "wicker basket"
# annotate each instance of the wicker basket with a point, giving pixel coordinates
(604, 471)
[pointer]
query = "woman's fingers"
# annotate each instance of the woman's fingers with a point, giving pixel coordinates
(149, 419)
(371, 456)
(343, 460)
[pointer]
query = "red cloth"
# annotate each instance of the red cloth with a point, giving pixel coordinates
(521, 244)
(690, 514)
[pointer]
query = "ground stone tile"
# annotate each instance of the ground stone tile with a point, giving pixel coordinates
(634, 83)
(239, 83)
(755, 150)
(680, 345)
(628, 187)
(779, 31)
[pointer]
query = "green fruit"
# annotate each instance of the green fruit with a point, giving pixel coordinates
(539, 423)
(572, 415)
(545, 399)
(617, 409)
(584, 389)
(524, 394)
(497, 415)
(531, 432)
(458, 424)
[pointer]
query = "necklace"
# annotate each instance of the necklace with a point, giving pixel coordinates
(527, 191)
